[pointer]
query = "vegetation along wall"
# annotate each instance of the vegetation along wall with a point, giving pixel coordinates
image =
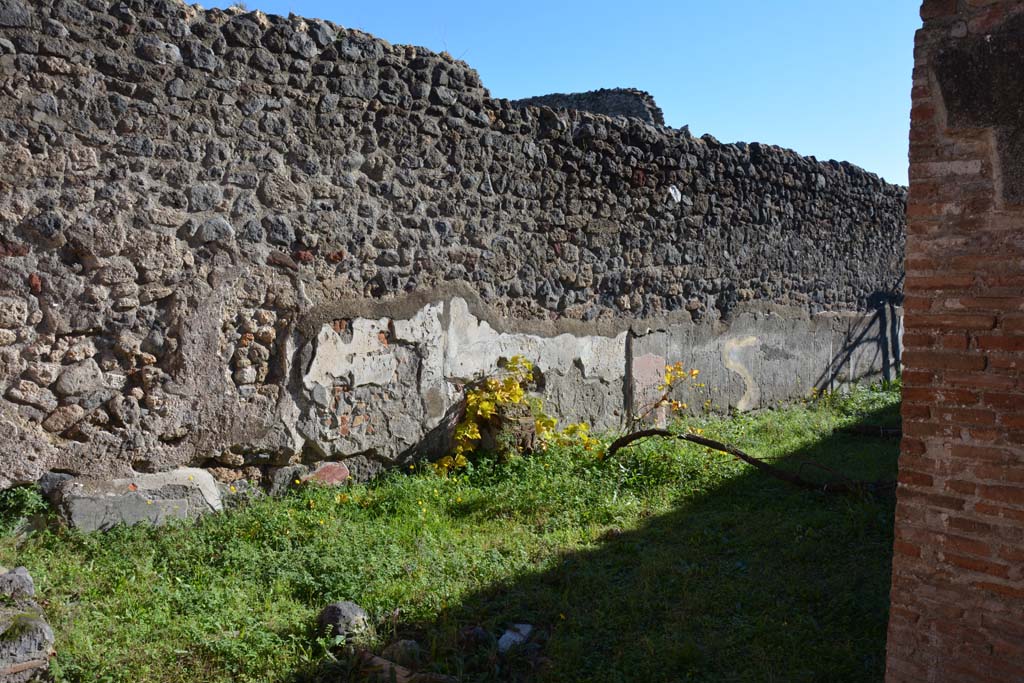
(235, 240)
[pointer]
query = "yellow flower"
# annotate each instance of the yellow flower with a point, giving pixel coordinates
(486, 409)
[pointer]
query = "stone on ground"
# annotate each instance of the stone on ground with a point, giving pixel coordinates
(516, 635)
(100, 504)
(344, 618)
(26, 640)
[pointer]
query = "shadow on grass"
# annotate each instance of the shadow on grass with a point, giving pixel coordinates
(752, 580)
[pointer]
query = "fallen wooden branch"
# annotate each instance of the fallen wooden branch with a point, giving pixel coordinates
(883, 486)
(379, 669)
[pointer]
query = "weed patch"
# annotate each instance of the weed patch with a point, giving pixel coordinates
(664, 563)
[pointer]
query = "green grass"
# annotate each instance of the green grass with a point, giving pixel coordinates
(666, 564)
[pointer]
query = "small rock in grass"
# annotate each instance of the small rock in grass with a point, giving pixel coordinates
(516, 635)
(344, 618)
(26, 640)
(16, 583)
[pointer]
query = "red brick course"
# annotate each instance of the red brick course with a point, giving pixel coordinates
(957, 610)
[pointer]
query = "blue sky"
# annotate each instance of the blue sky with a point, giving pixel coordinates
(829, 78)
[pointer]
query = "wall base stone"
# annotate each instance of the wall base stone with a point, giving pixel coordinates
(98, 505)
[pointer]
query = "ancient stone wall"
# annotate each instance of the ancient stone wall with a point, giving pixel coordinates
(630, 102)
(958, 567)
(235, 240)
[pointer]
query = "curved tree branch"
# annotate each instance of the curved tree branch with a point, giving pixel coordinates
(883, 486)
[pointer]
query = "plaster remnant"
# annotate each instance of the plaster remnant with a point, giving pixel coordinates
(731, 358)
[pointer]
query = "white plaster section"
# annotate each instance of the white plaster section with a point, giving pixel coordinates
(467, 348)
(288, 412)
(473, 349)
(450, 346)
(366, 357)
(362, 360)
(425, 329)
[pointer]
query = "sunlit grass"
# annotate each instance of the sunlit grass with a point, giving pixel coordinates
(668, 563)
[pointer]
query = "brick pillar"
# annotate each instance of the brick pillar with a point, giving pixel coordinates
(958, 567)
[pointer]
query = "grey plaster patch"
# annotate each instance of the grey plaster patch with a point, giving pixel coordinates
(763, 358)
